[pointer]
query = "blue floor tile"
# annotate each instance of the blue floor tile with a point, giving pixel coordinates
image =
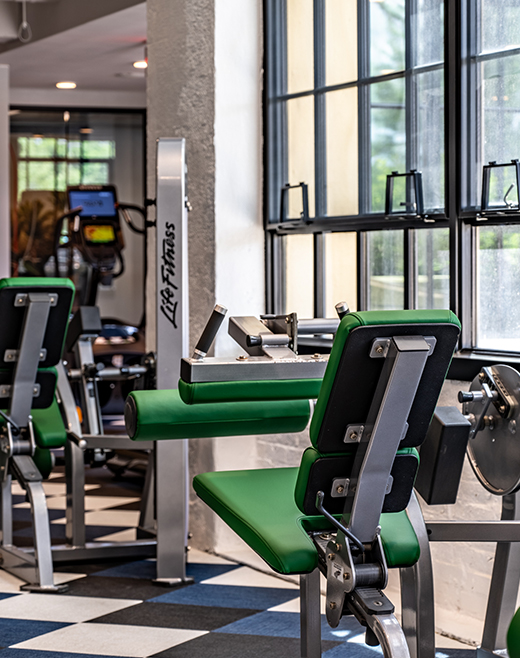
(147, 569)
(228, 596)
(287, 624)
(13, 631)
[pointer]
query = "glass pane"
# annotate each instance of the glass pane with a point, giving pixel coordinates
(95, 173)
(498, 288)
(41, 147)
(300, 131)
(388, 136)
(430, 136)
(387, 40)
(41, 176)
(300, 49)
(433, 268)
(97, 150)
(61, 178)
(430, 31)
(299, 279)
(340, 271)
(501, 100)
(341, 41)
(73, 174)
(500, 24)
(342, 152)
(385, 269)
(61, 148)
(22, 177)
(22, 147)
(74, 150)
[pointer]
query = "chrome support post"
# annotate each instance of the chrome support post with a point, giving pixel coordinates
(417, 598)
(172, 344)
(505, 583)
(310, 615)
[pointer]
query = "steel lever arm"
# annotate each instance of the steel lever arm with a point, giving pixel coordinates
(320, 496)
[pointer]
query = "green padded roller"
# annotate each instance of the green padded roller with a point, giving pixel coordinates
(49, 430)
(44, 461)
(259, 506)
(158, 415)
(285, 389)
(513, 637)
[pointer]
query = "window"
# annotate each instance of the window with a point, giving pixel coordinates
(358, 89)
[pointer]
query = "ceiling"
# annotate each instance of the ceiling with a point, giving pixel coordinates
(96, 56)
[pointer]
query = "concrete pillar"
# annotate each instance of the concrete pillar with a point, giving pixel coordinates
(181, 103)
(5, 227)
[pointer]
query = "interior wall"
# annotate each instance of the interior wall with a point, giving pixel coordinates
(5, 231)
(239, 236)
(181, 103)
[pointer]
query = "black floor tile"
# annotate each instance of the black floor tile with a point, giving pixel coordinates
(173, 615)
(116, 588)
(217, 645)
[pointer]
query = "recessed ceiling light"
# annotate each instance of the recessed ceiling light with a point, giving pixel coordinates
(141, 64)
(86, 131)
(66, 85)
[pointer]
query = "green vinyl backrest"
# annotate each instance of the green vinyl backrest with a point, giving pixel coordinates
(12, 325)
(346, 395)
(13, 317)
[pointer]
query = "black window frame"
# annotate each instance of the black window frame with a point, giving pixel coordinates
(460, 121)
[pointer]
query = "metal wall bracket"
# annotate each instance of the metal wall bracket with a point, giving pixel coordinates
(354, 433)
(22, 299)
(340, 487)
(11, 356)
(6, 390)
(379, 349)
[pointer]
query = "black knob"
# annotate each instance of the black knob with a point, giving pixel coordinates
(466, 396)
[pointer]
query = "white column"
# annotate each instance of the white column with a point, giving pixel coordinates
(5, 229)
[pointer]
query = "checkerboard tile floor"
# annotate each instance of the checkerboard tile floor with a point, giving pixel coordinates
(115, 609)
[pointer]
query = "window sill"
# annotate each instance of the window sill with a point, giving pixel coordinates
(467, 364)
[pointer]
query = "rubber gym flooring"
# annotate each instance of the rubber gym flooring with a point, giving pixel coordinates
(114, 609)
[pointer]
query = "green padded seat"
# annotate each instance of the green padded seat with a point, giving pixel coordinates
(259, 506)
(244, 391)
(157, 415)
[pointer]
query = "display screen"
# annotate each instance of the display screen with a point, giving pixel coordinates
(99, 233)
(100, 203)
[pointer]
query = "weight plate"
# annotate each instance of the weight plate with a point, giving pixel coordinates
(494, 453)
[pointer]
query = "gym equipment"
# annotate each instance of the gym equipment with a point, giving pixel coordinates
(362, 463)
(488, 425)
(93, 226)
(34, 314)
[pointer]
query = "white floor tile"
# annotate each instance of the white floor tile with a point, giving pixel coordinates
(110, 640)
(124, 518)
(50, 488)
(9, 583)
(60, 578)
(201, 557)
(52, 607)
(130, 534)
(92, 503)
(249, 578)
